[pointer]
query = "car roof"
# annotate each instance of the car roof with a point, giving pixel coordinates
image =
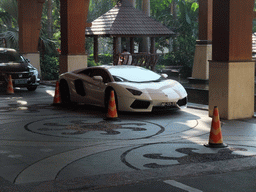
(118, 66)
(107, 67)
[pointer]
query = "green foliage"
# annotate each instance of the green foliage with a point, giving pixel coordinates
(11, 7)
(184, 22)
(50, 31)
(50, 67)
(9, 24)
(54, 34)
(98, 8)
(160, 8)
(103, 60)
(185, 41)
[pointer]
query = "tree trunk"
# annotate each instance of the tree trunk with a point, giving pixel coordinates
(49, 15)
(146, 10)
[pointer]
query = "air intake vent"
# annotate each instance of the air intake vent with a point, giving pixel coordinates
(138, 104)
(182, 102)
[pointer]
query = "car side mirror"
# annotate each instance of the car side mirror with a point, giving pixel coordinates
(164, 75)
(27, 60)
(97, 78)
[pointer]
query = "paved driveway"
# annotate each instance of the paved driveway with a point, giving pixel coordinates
(55, 147)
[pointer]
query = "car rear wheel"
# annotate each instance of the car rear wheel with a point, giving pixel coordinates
(64, 92)
(32, 88)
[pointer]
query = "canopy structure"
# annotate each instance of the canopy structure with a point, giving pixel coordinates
(126, 21)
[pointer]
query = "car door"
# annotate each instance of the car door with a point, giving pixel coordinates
(96, 88)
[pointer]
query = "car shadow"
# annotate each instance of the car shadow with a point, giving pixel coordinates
(99, 111)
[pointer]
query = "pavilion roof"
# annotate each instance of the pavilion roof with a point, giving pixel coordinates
(125, 20)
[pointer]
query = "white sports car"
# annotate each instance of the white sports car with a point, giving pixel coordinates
(136, 89)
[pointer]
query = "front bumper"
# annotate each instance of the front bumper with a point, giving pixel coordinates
(23, 79)
(137, 105)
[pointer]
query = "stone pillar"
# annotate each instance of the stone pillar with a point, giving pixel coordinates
(119, 44)
(146, 10)
(73, 24)
(30, 13)
(152, 45)
(132, 45)
(96, 49)
(133, 2)
(115, 50)
(231, 77)
(203, 52)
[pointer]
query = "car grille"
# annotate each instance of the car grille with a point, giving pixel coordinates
(138, 104)
(24, 75)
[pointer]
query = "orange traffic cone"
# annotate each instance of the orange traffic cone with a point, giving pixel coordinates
(112, 111)
(215, 138)
(57, 99)
(10, 86)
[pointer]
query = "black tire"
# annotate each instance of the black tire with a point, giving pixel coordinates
(64, 92)
(32, 88)
(107, 97)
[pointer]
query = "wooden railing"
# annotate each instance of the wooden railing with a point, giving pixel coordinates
(138, 59)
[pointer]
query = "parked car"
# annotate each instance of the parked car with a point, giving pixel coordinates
(136, 89)
(22, 72)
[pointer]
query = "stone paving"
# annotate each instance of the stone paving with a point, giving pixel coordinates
(47, 148)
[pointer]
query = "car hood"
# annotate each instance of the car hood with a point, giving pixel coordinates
(14, 67)
(166, 87)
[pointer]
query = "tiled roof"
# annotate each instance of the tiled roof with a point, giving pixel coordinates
(125, 20)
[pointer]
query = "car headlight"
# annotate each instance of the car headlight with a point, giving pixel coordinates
(134, 92)
(33, 71)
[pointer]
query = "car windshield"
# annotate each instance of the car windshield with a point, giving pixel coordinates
(10, 56)
(134, 74)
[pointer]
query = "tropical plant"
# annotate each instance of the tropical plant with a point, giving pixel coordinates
(99, 7)
(9, 23)
(181, 16)
(50, 67)
(50, 31)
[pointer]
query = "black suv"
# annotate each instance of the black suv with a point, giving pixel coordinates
(22, 72)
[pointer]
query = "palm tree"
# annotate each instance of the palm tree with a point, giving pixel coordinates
(9, 25)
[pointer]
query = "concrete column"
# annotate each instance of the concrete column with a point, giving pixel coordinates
(130, 41)
(146, 10)
(152, 45)
(203, 52)
(231, 77)
(119, 44)
(132, 45)
(73, 24)
(30, 13)
(115, 50)
(96, 49)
